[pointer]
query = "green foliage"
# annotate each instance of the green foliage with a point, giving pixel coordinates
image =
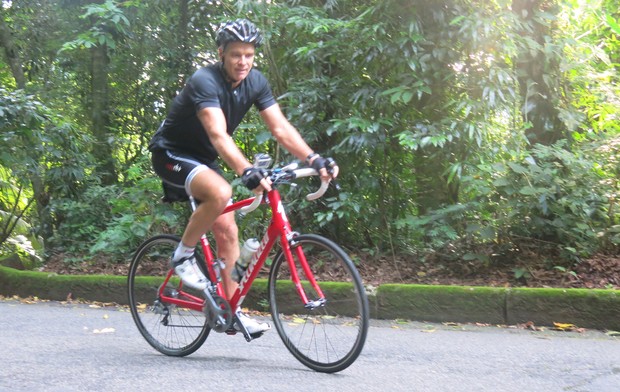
(558, 197)
(110, 22)
(41, 158)
(114, 220)
(37, 144)
(426, 106)
(591, 65)
(80, 220)
(554, 202)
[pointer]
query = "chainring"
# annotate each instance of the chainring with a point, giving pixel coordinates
(226, 312)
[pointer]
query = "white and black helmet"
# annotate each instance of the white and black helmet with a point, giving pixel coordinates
(240, 30)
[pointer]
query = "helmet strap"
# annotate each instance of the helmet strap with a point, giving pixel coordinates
(220, 51)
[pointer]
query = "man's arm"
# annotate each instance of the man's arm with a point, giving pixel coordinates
(285, 133)
(214, 123)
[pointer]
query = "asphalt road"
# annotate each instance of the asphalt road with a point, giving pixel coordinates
(50, 346)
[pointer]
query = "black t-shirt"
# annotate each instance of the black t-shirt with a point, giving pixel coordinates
(182, 130)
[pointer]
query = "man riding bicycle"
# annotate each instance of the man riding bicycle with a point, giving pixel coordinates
(198, 129)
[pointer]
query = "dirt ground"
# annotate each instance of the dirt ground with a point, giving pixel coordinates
(601, 271)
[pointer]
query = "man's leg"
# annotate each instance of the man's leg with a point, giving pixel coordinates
(214, 194)
(226, 236)
(225, 231)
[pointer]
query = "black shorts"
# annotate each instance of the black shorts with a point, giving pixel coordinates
(177, 171)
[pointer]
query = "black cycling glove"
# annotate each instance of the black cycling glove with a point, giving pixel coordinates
(319, 163)
(252, 176)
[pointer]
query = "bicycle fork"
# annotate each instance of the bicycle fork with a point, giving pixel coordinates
(301, 257)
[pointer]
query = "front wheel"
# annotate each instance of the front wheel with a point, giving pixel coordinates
(170, 329)
(327, 337)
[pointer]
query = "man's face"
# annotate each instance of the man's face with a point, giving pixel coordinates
(238, 58)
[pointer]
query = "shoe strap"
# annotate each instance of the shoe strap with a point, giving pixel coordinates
(181, 260)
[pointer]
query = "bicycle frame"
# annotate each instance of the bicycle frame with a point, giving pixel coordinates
(323, 327)
(279, 227)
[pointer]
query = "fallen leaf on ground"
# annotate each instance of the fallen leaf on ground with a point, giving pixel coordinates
(104, 330)
(567, 327)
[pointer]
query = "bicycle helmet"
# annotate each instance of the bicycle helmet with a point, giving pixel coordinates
(240, 30)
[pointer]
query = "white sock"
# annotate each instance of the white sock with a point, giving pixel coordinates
(182, 251)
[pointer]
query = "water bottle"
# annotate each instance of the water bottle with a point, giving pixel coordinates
(247, 251)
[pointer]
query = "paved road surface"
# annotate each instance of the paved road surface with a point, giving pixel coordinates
(49, 346)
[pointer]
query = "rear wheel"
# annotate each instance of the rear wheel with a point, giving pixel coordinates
(170, 329)
(329, 337)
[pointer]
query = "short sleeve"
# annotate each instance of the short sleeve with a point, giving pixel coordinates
(264, 98)
(203, 91)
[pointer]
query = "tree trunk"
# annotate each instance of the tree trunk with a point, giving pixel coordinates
(185, 61)
(100, 115)
(538, 106)
(40, 194)
(433, 190)
(6, 41)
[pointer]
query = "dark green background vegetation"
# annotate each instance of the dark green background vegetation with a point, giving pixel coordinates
(475, 132)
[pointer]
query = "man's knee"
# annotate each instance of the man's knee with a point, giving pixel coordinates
(222, 194)
(205, 187)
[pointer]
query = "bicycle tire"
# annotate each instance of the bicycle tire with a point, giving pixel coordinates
(329, 338)
(169, 329)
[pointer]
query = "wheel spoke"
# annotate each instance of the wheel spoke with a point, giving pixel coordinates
(168, 328)
(328, 337)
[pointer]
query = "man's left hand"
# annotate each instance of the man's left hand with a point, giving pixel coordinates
(326, 167)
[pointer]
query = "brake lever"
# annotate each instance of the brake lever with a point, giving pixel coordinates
(330, 169)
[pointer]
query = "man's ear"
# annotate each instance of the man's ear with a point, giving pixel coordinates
(220, 51)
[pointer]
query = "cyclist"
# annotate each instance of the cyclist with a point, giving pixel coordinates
(198, 129)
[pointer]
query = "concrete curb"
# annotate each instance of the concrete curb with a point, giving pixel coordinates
(586, 308)
(595, 309)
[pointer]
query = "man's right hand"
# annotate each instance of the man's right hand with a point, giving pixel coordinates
(252, 177)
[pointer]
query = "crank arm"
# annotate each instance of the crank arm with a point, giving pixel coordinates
(213, 309)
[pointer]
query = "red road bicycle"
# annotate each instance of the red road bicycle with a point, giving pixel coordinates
(316, 297)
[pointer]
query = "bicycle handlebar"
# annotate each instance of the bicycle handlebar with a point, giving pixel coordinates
(257, 200)
(287, 173)
(308, 172)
